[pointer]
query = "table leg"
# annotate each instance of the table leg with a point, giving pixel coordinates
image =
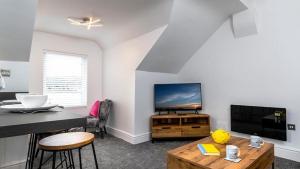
(31, 151)
(28, 152)
(273, 166)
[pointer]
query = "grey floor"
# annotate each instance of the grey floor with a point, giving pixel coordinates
(114, 153)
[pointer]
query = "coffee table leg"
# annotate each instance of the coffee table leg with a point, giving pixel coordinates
(273, 166)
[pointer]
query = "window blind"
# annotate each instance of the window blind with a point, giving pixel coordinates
(65, 79)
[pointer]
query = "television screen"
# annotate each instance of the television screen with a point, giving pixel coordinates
(262, 121)
(185, 96)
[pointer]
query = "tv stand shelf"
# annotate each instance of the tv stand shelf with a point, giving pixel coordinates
(178, 126)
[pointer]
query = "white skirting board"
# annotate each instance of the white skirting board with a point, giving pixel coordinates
(287, 153)
(133, 139)
(280, 151)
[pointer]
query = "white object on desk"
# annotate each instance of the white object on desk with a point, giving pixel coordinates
(23, 109)
(256, 141)
(32, 101)
(232, 152)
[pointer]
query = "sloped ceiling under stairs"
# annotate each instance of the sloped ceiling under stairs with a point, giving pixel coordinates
(191, 23)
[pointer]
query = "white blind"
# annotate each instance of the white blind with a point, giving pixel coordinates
(65, 79)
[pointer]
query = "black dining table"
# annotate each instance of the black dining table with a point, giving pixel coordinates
(16, 124)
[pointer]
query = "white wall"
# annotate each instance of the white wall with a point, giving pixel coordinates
(144, 100)
(45, 41)
(13, 150)
(18, 80)
(258, 70)
(119, 65)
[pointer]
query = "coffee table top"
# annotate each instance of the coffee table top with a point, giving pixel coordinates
(190, 153)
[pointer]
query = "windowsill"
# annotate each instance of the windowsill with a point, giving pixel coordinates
(75, 107)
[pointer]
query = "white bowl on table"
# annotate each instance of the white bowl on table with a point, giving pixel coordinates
(19, 96)
(33, 101)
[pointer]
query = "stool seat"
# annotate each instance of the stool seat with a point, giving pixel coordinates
(66, 141)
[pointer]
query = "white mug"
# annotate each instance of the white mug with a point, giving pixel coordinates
(232, 152)
(256, 141)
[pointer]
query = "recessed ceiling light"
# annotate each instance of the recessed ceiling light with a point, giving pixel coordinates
(88, 22)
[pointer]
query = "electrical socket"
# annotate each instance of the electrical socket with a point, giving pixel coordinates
(291, 127)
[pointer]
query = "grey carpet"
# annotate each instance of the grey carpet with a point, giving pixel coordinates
(114, 153)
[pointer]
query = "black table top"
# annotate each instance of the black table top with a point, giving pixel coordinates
(14, 124)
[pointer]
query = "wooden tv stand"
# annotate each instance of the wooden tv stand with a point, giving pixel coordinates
(180, 126)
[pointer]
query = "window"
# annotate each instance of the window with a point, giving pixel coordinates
(65, 79)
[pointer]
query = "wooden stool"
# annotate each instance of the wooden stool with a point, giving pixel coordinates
(66, 142)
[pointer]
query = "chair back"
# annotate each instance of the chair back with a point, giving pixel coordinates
(105, 110)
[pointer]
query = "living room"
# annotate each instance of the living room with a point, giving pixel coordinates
(242, 52)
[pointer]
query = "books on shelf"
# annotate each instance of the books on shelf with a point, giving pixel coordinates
(208, 149)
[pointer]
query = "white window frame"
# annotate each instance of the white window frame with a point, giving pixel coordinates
(84, 56)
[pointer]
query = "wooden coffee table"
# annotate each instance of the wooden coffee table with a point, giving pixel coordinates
(189, 157)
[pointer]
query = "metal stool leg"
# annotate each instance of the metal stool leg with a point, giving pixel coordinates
(37, 153)
(66, 159)
(80, 163)
(53, 160)
(41, 160)
(95, 157)
(72, 159)
(61, 161)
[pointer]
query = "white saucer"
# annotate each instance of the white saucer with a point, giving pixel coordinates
(233, 160)
(253, 146)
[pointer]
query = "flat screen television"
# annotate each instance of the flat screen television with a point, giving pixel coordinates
(267, 122)
(177, 97)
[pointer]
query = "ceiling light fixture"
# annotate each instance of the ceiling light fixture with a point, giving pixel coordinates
(88, 22)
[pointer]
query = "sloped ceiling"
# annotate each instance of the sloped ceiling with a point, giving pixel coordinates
(192, 22)
(16, 29)
(123, 19)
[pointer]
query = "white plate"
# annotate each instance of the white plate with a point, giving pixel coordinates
(21, 108)
(10, 101)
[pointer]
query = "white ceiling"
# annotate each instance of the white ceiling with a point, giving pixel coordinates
(123, 19)
(16, 29)
(192, 22)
